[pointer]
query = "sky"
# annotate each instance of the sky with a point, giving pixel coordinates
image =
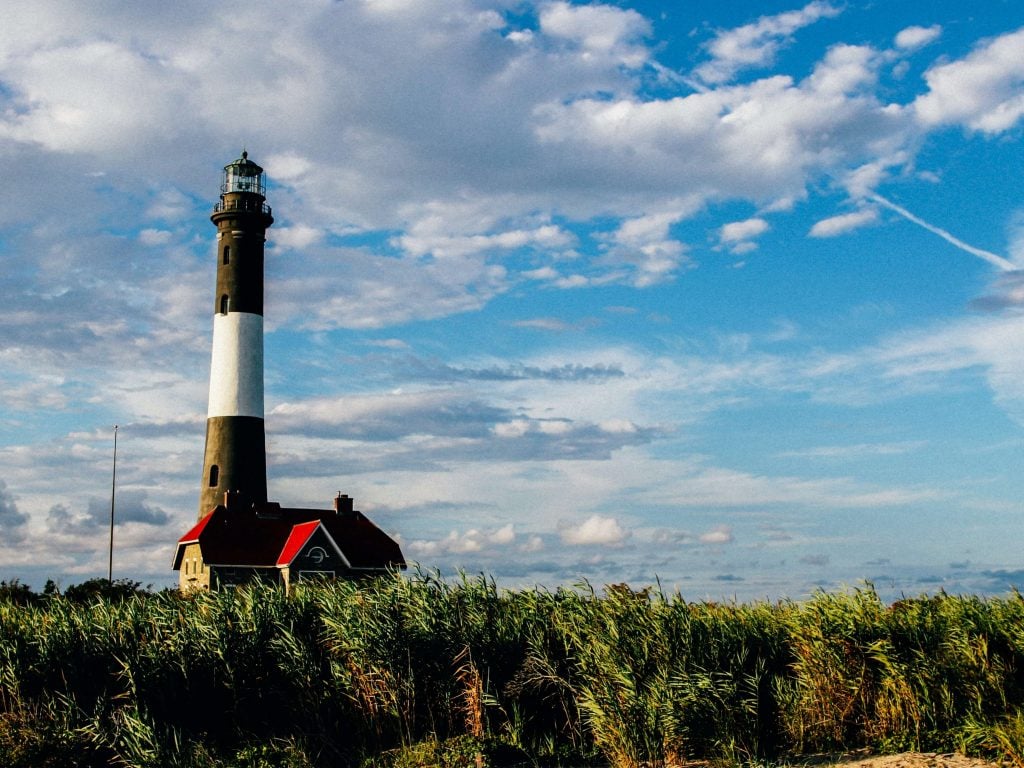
(725, 296)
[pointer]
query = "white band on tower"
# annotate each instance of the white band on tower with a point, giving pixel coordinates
(236, 371)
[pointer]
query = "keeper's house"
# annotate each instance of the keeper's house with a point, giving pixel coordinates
(241, 542)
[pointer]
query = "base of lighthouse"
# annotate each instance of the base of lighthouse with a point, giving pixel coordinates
(235, 460)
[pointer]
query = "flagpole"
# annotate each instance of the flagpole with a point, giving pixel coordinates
(113, 486)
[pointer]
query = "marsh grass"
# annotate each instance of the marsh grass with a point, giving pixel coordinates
(421, 671)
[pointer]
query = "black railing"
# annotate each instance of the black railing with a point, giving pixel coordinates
(242, 204)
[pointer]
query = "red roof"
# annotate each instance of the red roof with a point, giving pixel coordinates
(268, 536)
(299, 536)
(193, 535)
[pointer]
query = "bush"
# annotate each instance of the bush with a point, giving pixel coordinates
(14, 591)
(93, 589)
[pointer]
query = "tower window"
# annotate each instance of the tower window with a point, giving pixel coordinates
(224, 304)
(227, 254)
(214, 475)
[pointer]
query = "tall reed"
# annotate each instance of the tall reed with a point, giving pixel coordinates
(341, 673)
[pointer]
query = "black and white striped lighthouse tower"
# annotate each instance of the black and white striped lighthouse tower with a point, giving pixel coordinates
(236, 455)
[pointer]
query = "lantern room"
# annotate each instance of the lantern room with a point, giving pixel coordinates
(243, 175)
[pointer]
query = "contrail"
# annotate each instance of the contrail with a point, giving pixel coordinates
(988, 256)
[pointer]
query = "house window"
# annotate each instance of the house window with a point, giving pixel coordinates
(227, 254)
(224, 301)
(214, 475)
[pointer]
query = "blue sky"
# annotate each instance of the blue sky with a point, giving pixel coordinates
(722, 294)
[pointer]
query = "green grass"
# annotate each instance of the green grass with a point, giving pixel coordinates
(418, 671)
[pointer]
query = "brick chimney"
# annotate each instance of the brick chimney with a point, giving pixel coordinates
(343, 504)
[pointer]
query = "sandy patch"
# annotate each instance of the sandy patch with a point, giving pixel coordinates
(903, 760)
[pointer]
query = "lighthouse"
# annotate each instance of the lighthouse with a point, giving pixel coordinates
(241, 537)
(235, 458)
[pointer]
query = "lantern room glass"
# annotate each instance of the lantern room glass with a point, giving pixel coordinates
(243, 175)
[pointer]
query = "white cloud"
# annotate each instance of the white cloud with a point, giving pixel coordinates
(916, 37)
(288, 166)
(467, 542)
(742, 230)
(601, 31)
(756, 44)
(455, 543)
(541, 273)
(862, 181)
(544, 324)
(523, 36)
(296, 237)
(843, 223)
(1016, 238)
(761, 141)
(155, 236)
(846, 69)
(723, 487)
(418, 243)
(738, 236)
(855, 451)
(169, 204)
(575, 281)
(357, 288)
(720, 534)
(983, 91)
(644, 243)
(504, 535)
(596, 529)
(80, 97)
(389, 343)
(989, 343)
(377, 415)
(618, 425)
(533, 544)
